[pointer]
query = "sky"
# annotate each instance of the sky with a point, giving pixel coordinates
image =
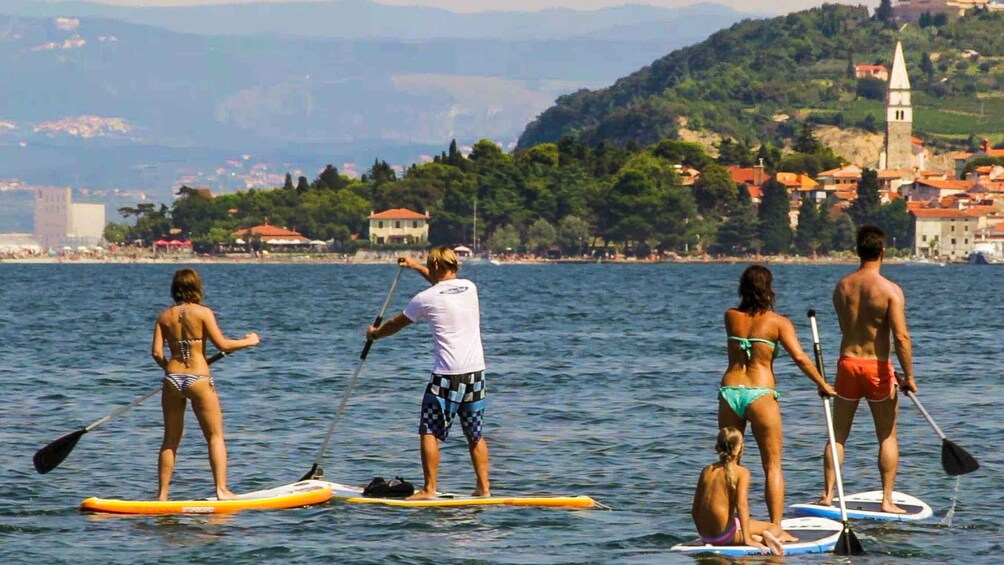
(776, 6)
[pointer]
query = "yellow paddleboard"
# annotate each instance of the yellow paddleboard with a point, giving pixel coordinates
(303, 493)
(354, 494)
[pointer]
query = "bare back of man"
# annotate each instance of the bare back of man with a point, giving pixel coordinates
(872, 314)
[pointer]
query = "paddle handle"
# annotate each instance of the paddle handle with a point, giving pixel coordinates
(383, 310)
(141, 399)
(817, 349)
(927, 416)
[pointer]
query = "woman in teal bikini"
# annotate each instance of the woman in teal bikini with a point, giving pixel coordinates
(186, 327)
(748, 389)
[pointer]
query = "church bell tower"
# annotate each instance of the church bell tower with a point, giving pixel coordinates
(899, 116)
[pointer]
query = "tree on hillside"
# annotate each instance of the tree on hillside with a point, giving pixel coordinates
(894, 219)
(736, 153)
(302, 185)
(715, 191)
(812, 235)
(871, 88)
(739, 235)
(844, 234)
(288, 183)
(774, 224)
(884, 11)
(806, 141)
(865, 208)
(330, 179)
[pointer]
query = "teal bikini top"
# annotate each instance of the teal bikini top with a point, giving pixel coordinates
(746, 344)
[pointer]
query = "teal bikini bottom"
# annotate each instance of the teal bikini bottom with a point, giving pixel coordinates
(739, 398)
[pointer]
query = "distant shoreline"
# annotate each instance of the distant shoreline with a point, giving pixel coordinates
(332, 259)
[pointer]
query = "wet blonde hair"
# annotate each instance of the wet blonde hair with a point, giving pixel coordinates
(443, 258)
(187, 286)
(728, 447)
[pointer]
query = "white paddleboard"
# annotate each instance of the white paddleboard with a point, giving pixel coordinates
(867, 506)
(354, 494)
(815, 535)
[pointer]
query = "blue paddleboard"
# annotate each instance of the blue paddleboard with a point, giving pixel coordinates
(815, 535)
(868, 506)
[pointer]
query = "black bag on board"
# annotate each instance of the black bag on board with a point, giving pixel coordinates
(394, 488)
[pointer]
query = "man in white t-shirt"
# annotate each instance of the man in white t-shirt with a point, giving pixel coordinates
(457, 386)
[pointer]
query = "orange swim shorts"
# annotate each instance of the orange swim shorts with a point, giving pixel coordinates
(865, 378)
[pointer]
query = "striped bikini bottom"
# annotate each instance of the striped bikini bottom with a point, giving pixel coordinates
(182, 381)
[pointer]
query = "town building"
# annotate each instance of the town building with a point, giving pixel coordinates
(911, 10)
(271, 235)
(880, 72)
(60, 222)
(949, 233)
(963, 158)
(399, 226)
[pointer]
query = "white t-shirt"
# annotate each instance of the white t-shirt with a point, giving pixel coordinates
(454, 315)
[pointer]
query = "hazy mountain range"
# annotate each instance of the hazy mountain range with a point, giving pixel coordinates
(99, 102)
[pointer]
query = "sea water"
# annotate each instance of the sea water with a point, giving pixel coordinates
(602, 381)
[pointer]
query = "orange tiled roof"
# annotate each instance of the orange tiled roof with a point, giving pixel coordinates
(946, 184)
(893, 174)
(974, 212)
(267, 231)
(870, 68)
(846, 194)
(742, 175)
(398, 214)
(796, 181)
(755, 192)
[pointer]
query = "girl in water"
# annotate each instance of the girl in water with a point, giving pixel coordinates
(721, 503)
(185, 327)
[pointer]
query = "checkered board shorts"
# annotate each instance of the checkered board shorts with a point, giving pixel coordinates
(449, 395)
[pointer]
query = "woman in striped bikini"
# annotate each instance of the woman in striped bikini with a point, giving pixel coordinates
(185, 327)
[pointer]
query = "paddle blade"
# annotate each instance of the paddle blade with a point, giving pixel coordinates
(847, 543)
(50, 456)
(314, 473)
(957, 461)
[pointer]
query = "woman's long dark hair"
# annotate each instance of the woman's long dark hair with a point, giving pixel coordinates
(186, 287)
(755, 294)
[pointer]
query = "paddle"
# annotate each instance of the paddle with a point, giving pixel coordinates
(50, 456)
(315, 471)
(847, 543)
(955, 460)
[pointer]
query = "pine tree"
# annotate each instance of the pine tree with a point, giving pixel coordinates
(775, 226)
(302, 185)
(288, 184)
(739, 235)
(865, 209)
(884, 11)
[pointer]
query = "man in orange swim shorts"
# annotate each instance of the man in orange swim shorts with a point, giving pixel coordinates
(870, 309)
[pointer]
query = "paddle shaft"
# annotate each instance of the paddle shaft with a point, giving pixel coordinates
(817, 349)
(927, 416)
(140, 400)
(355, 374)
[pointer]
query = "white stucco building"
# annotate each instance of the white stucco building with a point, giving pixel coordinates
(59, 221)
(399, 225)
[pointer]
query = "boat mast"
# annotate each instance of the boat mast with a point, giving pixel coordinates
(474, 235)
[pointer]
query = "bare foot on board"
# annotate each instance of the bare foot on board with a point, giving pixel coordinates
(785, 537)
(422, 495)
(481, 493)
(892, 508)
(225, 494)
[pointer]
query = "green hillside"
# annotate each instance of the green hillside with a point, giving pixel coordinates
(741, 78)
